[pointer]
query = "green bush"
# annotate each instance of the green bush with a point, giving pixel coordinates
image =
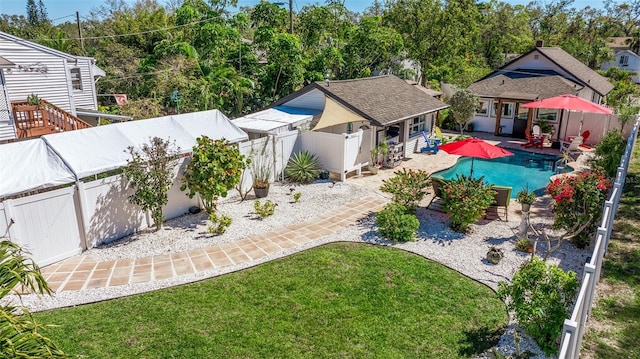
(303, 167)
(397, 223)
(264, 210)
(609, 152)
(541, 295)
(408, 187)
(219, 224)
(467, 199)
(296, 196)
(214, 169)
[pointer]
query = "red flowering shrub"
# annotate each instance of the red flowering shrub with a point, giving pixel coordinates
(466, 199)
(578, 200)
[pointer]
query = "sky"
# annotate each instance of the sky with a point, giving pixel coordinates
(64, 10)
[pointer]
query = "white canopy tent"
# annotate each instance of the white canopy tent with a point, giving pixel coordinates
(31, 165)
(275, 120)
(62, 158)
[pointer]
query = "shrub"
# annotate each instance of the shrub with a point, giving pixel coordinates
(151, 173)
(397, 223)
(522, 244)
(264, 210)
(215, 168)
(408, 187)
(541, 295)
(20, 335)
(303, 167)
(609, 152)
(296, 196)
(578, 203)
(219, 224)
(467, 199)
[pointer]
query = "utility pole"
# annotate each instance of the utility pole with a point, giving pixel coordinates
(80, 31)
(291, 16)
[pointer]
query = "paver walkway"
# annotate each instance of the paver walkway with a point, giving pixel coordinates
(83, 272)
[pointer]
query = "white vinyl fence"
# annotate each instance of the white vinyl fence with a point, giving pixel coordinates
(574, 327)
(45, 224)
(339, 153)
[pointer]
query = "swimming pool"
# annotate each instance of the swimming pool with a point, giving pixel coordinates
(523, 169)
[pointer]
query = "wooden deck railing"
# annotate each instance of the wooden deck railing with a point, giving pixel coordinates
(33, 121)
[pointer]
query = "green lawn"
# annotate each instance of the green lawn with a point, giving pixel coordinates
(342, 300)
(615, 323)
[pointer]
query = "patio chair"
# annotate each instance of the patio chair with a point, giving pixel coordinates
(501, 200)
(437, 134)
(536, 131)
(585, 136)
(532, 141)
(430, 145)
(572, 147)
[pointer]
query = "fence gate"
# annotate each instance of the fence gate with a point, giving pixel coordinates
(46, 224)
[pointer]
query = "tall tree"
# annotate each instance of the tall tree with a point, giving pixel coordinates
(435, 32)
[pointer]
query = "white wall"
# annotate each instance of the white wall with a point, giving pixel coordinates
(84, 98)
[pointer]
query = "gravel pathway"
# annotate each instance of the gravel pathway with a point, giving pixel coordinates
(435, 241)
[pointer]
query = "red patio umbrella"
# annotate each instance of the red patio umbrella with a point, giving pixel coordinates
(474, 148)
(569, 102)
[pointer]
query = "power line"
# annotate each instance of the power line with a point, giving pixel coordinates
(133, 33)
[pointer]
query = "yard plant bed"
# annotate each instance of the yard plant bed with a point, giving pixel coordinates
(335, 301)
(612, 330)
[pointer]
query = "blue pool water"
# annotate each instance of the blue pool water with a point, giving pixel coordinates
(524, 169)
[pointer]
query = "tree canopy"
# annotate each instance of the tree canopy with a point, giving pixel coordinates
(194, 55)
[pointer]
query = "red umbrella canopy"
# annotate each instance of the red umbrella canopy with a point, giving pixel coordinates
(475, 148)
(569, 102)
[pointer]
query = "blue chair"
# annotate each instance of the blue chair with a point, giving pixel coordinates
(430, 145)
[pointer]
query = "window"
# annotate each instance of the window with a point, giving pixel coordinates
(547, 114)
(484, 108)
(417, 125)
(624, 60)
(507, 109)
(76, 79)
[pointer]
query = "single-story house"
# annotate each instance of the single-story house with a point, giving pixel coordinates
(392, 109)
(541, 73)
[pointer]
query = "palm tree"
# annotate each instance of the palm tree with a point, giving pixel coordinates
(20, 334)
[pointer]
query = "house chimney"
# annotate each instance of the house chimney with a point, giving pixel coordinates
(539, 43)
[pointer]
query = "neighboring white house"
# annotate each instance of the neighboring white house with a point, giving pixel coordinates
(66, 81)
(625, 60)
(541, 73)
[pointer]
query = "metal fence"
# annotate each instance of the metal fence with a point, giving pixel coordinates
(574, 327)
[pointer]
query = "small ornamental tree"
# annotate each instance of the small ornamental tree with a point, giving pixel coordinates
(215, 168)
(150, 172)
(408, 187)
(464, 104)
(541, 295)
(467, 199)
(578, 203)
(609, 152)
(20, 335)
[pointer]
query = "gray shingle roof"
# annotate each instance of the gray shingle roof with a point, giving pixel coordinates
(527, 88)
(383, 100)
(576, 68)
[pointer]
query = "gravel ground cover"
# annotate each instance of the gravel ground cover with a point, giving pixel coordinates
(435, 241)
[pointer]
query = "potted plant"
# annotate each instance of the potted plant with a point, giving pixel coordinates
(526, 198)
(261, 175)
(33, 100)
(376, 151)
(524, 245)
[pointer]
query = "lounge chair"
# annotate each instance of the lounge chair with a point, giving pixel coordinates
(429, 145)
(532, 141)
(501, 200)
(572, 147)
(437, 134)
(436, 183)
